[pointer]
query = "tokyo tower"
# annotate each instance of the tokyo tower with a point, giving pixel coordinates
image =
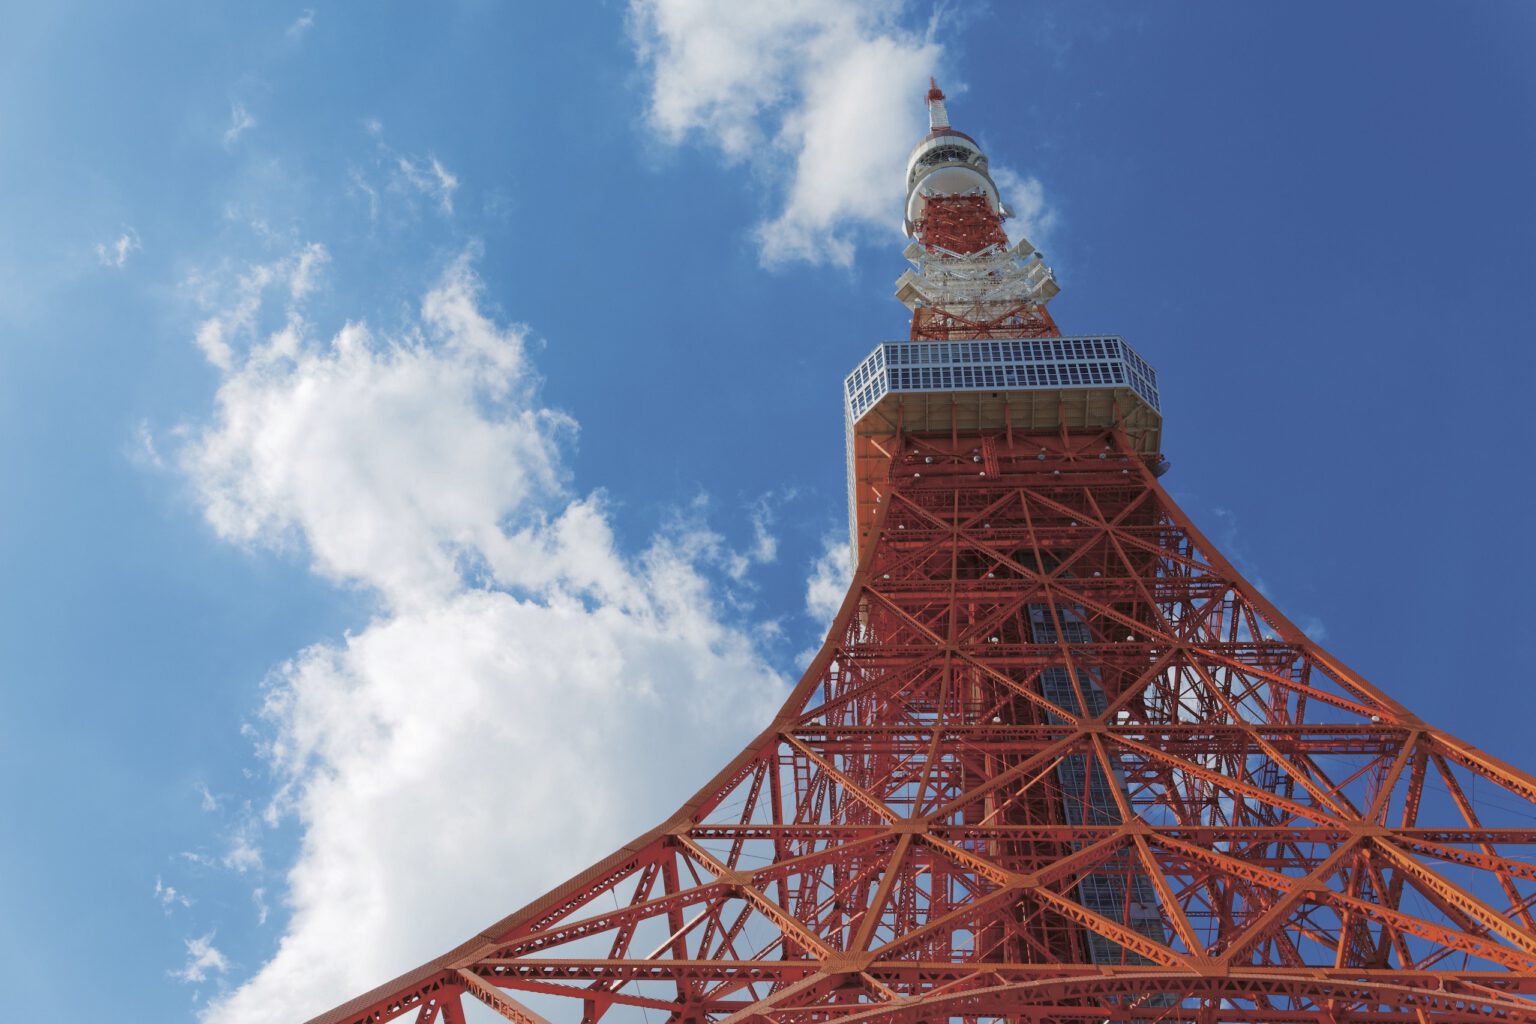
(1056, 761)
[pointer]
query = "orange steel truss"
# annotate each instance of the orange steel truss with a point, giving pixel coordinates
(1057, 761)
(962, 224)
(940, 323)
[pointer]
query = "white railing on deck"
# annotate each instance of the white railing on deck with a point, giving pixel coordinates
(1024, 364)
(1021, 364)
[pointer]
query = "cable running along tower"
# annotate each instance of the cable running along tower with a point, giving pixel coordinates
(1057, 760)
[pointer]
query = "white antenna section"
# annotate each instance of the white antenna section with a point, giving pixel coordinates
(938, 115)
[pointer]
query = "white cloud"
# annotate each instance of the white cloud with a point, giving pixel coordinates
(359, 182)
(143, 450)
(244, 853)
(825, 587)
(409, 175)
(240, 122)
(1230, 542)
(375, 452)
(823, 97)
(429, 177)
(169, 896)
(1033, 218)
(202, 957)
(302, 24)
(115, 253)
(765, 546)
(209, 802)
(828, 583)
(239, 300)
(528, 694)
(304, 269)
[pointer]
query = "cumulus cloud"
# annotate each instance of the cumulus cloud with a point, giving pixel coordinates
(527, 694)
(820, 96)
(375, 453)
(115, 253)
(828, 582)
(821, 99)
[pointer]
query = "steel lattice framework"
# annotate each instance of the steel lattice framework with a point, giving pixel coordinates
(1046, 681)
(1057, 761)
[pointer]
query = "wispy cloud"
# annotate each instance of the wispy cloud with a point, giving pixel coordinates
(411, 176)
(142, 450)
(301, 25)
(360, 183)
(238, 299)
(115, 253)
(243, 855)
(240, 122)
(765, 546)
(169, 896)
(203, 958)
(417, 463)
(429, 177)
(1229, 540)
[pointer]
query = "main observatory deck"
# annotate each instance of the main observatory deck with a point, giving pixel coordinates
(994, 386)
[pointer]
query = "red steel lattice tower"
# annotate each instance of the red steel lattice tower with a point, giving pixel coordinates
(1057, 760)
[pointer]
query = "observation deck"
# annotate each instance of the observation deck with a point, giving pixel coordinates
(988, 387)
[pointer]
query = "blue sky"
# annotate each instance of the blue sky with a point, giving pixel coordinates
(422, 434)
